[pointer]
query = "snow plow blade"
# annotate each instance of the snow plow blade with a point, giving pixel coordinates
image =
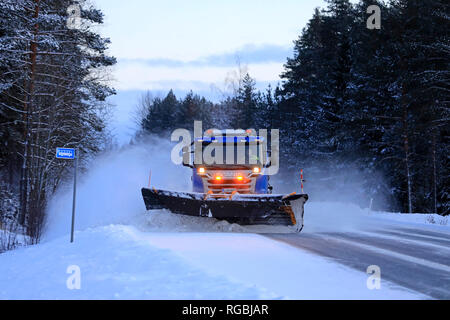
(235, 208)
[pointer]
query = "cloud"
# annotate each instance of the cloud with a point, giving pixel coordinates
(205, 76)
(139, 76)
(248, 54)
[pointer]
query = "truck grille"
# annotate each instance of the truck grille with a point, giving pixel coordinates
(228, 184)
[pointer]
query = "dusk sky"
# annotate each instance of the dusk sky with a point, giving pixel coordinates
(194, 45)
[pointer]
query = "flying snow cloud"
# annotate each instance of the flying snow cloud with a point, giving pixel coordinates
(110, 191)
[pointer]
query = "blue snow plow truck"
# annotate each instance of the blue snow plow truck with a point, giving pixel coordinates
(230, 182)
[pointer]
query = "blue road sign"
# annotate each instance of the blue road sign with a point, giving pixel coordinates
(69, 153)
(65, 153)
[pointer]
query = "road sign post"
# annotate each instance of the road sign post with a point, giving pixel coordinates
(74, 197)
(70, 154)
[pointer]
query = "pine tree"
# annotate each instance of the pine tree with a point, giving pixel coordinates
(162, 115)
(53, 95)
(194, 108)
(247, 103)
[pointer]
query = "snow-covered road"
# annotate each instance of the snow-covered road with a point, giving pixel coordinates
(157, 259)
(277, 267)
(337, 245)
(124, 252)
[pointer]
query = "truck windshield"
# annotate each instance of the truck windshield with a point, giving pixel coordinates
(233, 153)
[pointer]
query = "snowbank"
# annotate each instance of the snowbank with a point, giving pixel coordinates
(10, 240)
(347, 217)
(433, 220)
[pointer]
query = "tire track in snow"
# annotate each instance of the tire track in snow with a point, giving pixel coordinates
(438, 255)
(432, 279)
(424, 239)
(425, 233)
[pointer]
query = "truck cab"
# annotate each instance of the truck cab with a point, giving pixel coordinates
(237, 163)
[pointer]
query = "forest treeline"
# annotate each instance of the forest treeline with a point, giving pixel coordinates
(365, 110)
(52, 94)
(355, 105)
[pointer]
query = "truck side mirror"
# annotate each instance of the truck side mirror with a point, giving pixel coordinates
(268, 155)
(187, 157)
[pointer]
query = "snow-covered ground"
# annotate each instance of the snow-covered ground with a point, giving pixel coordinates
(124, 252)
(116, 262)
(336, 216)
(12, 239)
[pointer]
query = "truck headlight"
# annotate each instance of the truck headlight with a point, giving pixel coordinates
(201, 170)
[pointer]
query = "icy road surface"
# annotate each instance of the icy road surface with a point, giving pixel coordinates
(408, 257)
(410, 251)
